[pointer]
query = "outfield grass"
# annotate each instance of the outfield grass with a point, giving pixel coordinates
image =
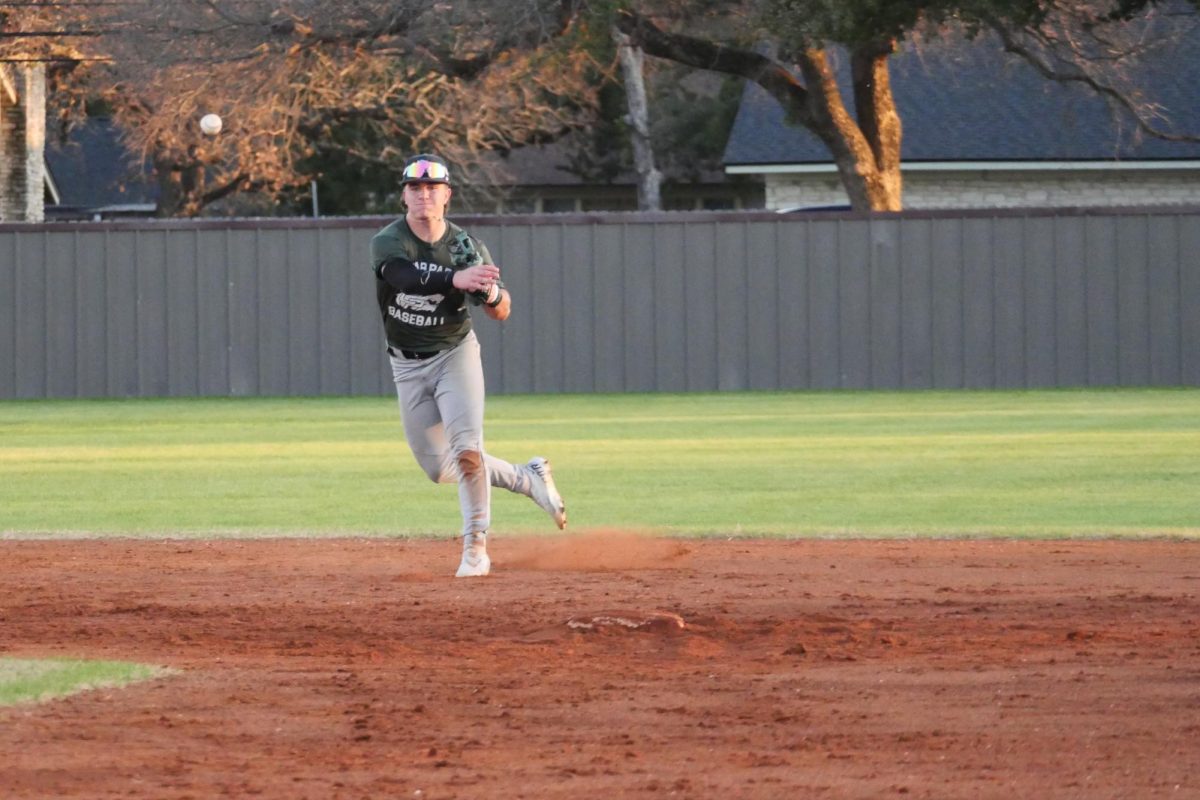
(1076, 463)
(33, 680)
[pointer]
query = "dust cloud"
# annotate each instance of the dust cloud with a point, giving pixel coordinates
(596, 550)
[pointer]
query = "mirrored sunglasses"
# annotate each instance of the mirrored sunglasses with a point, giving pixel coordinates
(426, 170)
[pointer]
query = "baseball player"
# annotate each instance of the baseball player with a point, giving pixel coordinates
(427, 272)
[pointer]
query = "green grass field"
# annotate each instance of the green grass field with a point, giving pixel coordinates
(35, 680)
(1066, 463)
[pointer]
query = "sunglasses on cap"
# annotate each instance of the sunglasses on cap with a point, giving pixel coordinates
(424, 170)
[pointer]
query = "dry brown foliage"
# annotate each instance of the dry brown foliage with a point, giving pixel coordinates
(462, 78)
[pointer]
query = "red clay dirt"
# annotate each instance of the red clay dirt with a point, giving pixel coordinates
(605, 665)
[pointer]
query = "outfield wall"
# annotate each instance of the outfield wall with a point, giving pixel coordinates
(614, 303)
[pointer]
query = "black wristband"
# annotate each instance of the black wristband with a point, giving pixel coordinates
(499, 298)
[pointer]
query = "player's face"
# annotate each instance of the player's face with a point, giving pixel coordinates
(426, 200)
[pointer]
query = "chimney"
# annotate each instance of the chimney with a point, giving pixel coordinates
(23, 143)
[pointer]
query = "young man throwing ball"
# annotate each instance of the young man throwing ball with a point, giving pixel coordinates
(428, 272)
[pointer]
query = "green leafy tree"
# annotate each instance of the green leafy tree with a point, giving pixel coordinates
(785, 47)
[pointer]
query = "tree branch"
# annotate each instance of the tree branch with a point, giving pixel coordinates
(236, 183)
(1109, 93)
(702, 54)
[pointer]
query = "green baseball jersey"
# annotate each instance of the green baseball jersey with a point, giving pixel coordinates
(421, 308)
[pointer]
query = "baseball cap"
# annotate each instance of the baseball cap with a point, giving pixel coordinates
(426, 168)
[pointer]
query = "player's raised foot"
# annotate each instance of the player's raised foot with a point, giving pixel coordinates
(544, 492)
(475, 561)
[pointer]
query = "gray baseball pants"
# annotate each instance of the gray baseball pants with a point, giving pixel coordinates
(441, 406)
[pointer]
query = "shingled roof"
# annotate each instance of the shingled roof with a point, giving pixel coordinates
(975, 103)
(92, 173)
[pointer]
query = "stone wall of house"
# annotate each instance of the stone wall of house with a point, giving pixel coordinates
(948, 190)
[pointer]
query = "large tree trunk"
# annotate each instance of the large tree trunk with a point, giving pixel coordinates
(649, 177)
(878, 119)
(865, 152)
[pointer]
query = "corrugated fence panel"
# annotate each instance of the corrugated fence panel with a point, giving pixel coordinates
(517, 335)
(1009, 313)
(824, 356)
(1037, 334)
(670, 312)
(241, 248)
(8, 316)
(150, 256)
(212, 313)
(762, 305)
(1133, 302)
(29, 311)
(885, 329)
(1189, 309)
(668, 302)
(274, 290)
(732, 345)
(303, 325)
(91, 315)
(120, 300)
(546, 302)
(701, 297)
(608, 309)
(792, 271)
(978, 305)
(183, 345)
(1163, 285)
(948, 303)
(854, 295)
(1101, 274)
(915, 305)
(638, 245)
(333, 311)
(580, 324)
(1071, 334)
(61, 315)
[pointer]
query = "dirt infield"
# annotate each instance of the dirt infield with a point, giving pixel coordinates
(611, 666)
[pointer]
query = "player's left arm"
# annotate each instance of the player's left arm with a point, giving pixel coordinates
(503, 304)
(497, 303)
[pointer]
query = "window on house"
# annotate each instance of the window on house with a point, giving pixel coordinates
(520, 205)
(678, 203)
(558, 205)
(610, 204)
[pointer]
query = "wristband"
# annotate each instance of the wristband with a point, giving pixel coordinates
(499, 297)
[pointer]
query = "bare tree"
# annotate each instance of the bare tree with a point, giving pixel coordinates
(290, 78)
(632, 71)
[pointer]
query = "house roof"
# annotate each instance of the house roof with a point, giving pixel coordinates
(92, 171)
(971, 102)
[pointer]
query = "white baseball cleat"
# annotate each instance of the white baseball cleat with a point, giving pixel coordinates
(475, 561)
(544, 492)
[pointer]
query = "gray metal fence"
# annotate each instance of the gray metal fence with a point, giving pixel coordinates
(618, 303)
